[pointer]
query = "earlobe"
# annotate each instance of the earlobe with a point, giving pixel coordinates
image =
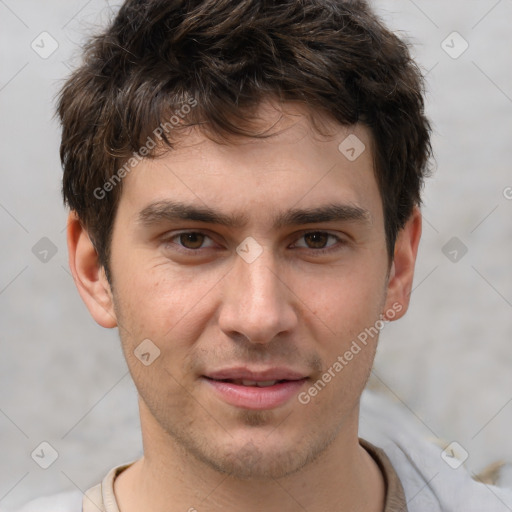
(88, 274)
(402, 269)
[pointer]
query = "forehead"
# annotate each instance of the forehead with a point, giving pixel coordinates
(295, 166)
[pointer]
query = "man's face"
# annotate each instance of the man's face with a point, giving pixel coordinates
(283, 307)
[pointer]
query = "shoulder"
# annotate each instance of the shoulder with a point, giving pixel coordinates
(70, 501)
(76, 501)
(430, 483)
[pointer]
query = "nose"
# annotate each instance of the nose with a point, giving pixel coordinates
(257, 303)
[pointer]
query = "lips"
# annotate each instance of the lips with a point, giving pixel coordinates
(249, 382)
(260, 384)
(257, 390)
(257, 376)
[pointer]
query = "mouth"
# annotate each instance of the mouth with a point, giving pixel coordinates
(256, 390)
(246, 382)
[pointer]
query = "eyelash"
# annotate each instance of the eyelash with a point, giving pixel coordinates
(321, 251)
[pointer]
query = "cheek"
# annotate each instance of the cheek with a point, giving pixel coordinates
(345, 300)
(168, 307)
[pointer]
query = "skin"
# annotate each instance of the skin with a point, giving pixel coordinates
(210, 309)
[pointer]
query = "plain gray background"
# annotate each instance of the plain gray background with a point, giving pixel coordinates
(449, 361)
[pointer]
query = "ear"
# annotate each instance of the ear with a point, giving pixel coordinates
(402, 269)
(88, 274)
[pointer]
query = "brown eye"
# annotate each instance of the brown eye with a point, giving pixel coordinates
(191, 240)
(191, 243)
(316, 240)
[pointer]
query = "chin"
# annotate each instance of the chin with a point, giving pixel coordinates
(264, 457)
(252, 463)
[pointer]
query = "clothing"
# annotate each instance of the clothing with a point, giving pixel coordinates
(101, 497)
(417, 478)
(395, 497)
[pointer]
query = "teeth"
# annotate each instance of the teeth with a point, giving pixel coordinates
(266, 383)
(260, 384)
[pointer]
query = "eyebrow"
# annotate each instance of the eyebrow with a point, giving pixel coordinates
(171, 211)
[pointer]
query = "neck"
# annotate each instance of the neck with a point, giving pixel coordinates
(343, 477)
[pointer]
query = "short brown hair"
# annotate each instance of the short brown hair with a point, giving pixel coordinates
(223, 58)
